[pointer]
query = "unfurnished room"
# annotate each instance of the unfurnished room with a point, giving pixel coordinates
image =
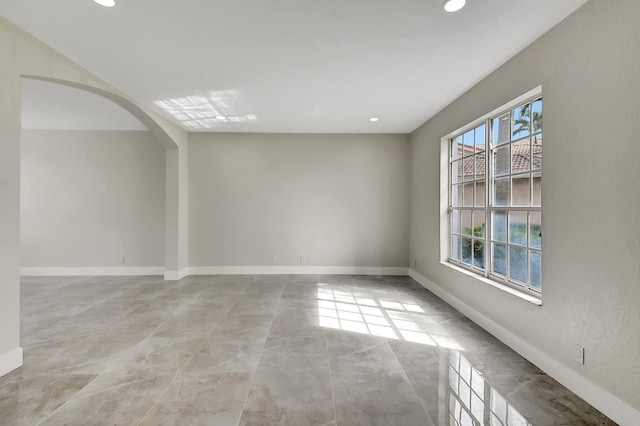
(274, 212)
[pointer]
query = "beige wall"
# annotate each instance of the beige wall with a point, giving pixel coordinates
(89, 197)
(588, 68)
(338, 200)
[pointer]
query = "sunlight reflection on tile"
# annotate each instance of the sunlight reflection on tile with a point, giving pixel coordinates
(371, 319)
(391, 305)
(412, 308)
(358, 327)
(417, 337)
(342, 298)
(325, 296)
(364, 301)
(350, 316)
(371, 311)
(401, 315)
(329, 322)
(342, 310)
(407, 325)
(326, 304)
(324, 312)
(472, 399)
(382, 331)
(347, 307)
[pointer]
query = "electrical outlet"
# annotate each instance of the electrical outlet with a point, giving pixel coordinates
(578, 354)
(274, 258)
(301, 259)
(121, 259)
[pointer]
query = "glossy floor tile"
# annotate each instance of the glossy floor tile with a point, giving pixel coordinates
(267, 350)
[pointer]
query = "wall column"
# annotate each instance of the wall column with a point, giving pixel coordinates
(176, 214)
(10, 350)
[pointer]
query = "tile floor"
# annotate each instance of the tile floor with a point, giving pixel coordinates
(267, 350)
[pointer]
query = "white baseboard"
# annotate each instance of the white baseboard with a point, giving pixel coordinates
(215, 270)
(297, 270)
(616, 409)
(176, 275)
(88, 271)
(10, 361)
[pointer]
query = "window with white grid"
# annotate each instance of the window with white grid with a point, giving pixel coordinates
(495, 196)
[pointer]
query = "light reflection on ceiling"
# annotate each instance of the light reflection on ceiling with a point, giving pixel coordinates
(343, 310)
(209, 111)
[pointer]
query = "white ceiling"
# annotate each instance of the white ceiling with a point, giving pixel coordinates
(290, 65)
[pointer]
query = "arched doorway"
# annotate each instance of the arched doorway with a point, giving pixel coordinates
(175, 239)
(92, 186)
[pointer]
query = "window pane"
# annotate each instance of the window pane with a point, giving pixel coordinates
(536, 152)
(535, 230)
(478, 254)
(537, 190)
(468, 142)
(477, 383)
(500, 129)
(501, 160)
(500, 259)
(480, 194)
(477, 407)
(499, 226)
(478, 223)
(455, 221)
(468, 194)
(455, 248)
(518, 228)
(468, 169)
(456, 195)
(480, 138)
(520, 154)
(465, 226)
(515, 418)
(536, 115)
(535, 268)
(466, 251)
(520, 191)
(501, 192)
(518, 264)
(520, 124)
(456, 171)
(479, 166)
(456, 148)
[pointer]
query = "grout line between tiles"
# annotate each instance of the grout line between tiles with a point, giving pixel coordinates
(175, 376)
(255, 370)
(179, 369)
(65, 402)
(410, 383)
(333, 394)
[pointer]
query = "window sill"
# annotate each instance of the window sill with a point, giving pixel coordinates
(522, 295)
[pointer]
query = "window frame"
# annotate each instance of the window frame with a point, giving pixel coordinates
(524, 290)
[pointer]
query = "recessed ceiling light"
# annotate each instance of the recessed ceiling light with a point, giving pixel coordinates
(374, 119)
(106, 3)
(220, 117)
(453, 5)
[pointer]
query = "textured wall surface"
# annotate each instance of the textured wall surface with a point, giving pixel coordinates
(589, 69)
(338, 200)
(89, 197)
